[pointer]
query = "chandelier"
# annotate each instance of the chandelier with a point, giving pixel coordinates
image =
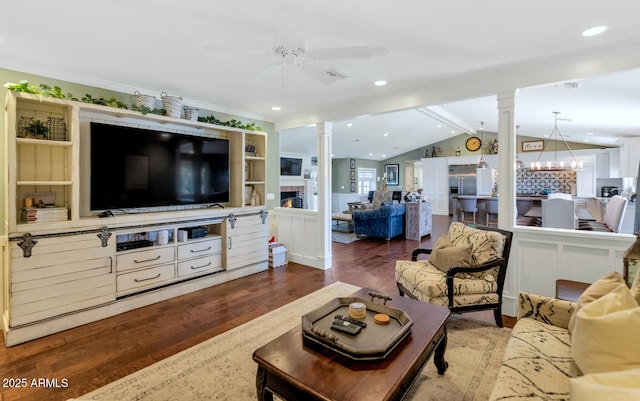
(556, 165)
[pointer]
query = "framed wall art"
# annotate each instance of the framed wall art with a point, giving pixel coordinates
(353, 175)
(352, 163)
(532, 146)
(392, 172)
(353, 186)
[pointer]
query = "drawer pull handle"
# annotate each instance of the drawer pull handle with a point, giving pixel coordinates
(139, 280)
(200, 267)
(146, 260)
(200, 250)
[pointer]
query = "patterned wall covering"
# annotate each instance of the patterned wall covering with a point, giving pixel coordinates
(532, 182)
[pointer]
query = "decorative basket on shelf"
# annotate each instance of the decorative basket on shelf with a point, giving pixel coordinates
(145, 100)
(172, 105)
(28, 127)
(57, 129)
(191, 113)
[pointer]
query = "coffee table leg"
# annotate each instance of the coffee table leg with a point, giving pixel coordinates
(261, 385)
(438, 356)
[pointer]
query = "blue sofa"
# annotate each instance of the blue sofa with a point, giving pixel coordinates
(385, 222)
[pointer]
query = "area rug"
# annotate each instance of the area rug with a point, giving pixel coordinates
(343, 238)
(222, 368)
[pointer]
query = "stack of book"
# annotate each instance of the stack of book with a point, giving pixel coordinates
(45, 214)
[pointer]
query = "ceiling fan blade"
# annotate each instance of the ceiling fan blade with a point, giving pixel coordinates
(268, 72)
(229, 49)
(347, 52)
(317, 73)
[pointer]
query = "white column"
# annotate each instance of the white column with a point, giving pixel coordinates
(324, 191)
(506, 160)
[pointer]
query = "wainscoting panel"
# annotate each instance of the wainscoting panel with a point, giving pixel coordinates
(299, 230)
(540, 256)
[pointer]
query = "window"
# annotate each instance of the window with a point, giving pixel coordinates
(366, 180)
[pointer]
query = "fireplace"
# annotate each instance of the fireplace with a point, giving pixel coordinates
(292, 196)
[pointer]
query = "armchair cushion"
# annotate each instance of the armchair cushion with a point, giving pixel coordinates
(444, 255)
(426, 281)
(486, 246)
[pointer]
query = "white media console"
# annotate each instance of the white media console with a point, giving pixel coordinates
(63, 270)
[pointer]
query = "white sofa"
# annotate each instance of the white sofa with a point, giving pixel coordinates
(544, 361)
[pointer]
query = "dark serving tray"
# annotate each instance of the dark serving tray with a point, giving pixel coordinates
(374, 342)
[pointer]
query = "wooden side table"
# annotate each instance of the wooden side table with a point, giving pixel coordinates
(569, 290)
(418, 220)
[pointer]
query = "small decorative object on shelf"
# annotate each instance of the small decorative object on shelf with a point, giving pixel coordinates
(191, 113)
(433, 152)
(172, 105)
(28, 127)
(57, 129)
(492, 147)
(250, 149)
(145, 100)
(458, 151)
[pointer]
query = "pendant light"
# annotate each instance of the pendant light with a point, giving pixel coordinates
(482, 163)
(556, 136)
(519, 163)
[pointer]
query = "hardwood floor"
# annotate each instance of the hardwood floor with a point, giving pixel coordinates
(90, 356)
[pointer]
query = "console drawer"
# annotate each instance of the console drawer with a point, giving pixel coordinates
(199, 248)
(144, 278)
(148, 257)
(204, 265)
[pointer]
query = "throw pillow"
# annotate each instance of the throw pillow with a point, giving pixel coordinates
(596, 290)
(619, 386)
(486, 245)
(606, 332)
(444, 255)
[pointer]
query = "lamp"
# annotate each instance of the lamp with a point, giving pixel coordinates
(555, 166)
(631, 261)
(482, 163)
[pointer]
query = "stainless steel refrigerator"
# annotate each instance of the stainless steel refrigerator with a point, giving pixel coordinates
(463, 179)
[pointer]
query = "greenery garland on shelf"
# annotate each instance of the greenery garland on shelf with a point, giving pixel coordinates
(56, 92)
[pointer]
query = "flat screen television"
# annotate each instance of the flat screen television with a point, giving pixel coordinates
(290, 166)
(139, 168)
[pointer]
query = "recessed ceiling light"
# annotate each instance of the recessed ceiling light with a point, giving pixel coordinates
(384, 155)
(370, 154)
(587, 140)
(590, 133)
(276, 108)
(439, 125)
(596, 30)
(385, 134)
(349, 124)
(453, 132)
(380, 83)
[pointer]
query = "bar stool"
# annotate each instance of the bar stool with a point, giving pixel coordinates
(468, 206)
(491, 206)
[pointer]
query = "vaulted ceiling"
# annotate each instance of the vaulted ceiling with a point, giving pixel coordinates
(220, 55)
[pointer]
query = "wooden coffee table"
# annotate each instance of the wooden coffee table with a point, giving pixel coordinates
(297, 370)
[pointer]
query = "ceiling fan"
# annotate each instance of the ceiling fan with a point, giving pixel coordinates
(298, 54)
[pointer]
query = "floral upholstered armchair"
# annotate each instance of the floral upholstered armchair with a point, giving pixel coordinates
(465, 270)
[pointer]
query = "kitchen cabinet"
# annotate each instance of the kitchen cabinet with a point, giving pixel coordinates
(436, 184)
(608, 163)
(586, 182)
(629, 156)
